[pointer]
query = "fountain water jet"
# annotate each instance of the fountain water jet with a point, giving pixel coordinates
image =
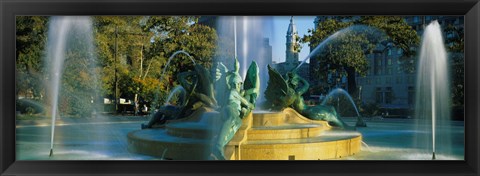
(245, 46)
(432, 98)
(177, 90)
(168, 63)
(170, 59)
(242, 38)
(59, 29)
(371, 31)
(340, 91)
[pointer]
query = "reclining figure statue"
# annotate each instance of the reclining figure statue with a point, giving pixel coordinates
(282, 93)
(197, 91)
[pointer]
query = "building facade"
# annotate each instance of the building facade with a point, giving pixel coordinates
(387, 83)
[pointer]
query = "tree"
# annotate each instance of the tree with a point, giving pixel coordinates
(179, 33)
(399, 34)
(135, 50)
(346, 53)
(182, 33)
(120, 43)
(31, 35)
(130, 52)
(79, 80)
(455, 46)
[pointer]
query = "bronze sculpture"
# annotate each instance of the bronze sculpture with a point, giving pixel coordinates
(197, 91)
(282, 93)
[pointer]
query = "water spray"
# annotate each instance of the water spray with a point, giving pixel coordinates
(59, 28)
(432, 66)
(168, 63)
(235, 35)
(341, 33)
(433, 112)
(170, 59)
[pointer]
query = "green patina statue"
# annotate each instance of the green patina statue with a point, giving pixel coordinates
(220, 90)
(282, 93)
(238, 104)
(197, 91)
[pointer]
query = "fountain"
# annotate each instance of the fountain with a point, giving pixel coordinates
(291, 131)
(339, 91)
(59, 31)
(432, 103)
(242, 38)
(201, 125)
(213, 131)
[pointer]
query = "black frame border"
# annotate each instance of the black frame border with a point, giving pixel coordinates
(11, 8)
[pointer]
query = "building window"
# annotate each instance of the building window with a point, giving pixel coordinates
(399, 66)
(379, 95)
(389, 66)
(416, 19)
(411, 95)
(399, 51)
(378, 66)
(389, 52)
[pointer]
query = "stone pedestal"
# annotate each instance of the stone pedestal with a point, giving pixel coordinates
(284, 135)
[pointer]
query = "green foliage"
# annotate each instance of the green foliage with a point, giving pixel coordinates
(346, 54)
(29, 107)
(137, 49)
(134, 49)
(79, 83)
(181, 33)
(396, 28)
(400, 34)
(30, 117)
(120, 44)
(455, 46)
(149, 89)
(30, 42)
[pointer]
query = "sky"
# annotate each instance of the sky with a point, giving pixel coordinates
(277, 39)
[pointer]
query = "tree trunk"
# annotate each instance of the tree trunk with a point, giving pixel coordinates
(352, 83)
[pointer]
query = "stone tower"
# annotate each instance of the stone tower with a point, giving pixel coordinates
(292, 42)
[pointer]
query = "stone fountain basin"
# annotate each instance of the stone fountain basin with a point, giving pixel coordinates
(284, 135)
